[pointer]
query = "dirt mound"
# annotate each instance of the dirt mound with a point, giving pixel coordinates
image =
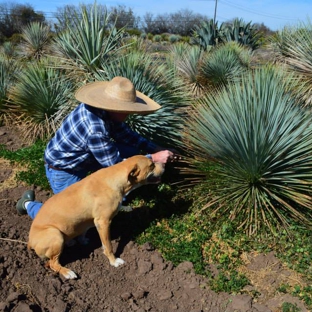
(145, 283)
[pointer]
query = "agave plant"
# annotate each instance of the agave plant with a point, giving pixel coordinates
(87, 40)
(206, 35)
(224, 64)
(293, 46)
(40, 98)
(241, 32)
(253, 144)
(35, 40)
(153, 79)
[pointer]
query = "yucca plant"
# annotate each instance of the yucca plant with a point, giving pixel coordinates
(40, 98)
(186, 60)
(35, 40)
(224, 64)
(155, 80)
(293, 46)
(88, 40)
(133, 44)
(252, 144)
(9, 49)
(8, 72)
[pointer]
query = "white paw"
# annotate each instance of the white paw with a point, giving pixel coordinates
(118, 262)
(70, 275)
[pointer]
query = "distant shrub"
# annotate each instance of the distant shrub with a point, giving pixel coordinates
(133, 32)
(164, 37)
(174, 38)
(157, 38)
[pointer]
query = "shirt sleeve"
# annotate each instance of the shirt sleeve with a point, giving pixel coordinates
(122, 133)
(103, 150)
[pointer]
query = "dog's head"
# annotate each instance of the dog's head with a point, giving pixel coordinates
(144, 171)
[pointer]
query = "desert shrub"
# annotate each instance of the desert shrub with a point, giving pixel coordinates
(157, 38)
(252, 142)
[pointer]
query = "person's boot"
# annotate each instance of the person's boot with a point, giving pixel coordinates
(20, 205)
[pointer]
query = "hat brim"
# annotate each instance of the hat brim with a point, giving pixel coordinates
(94, 95)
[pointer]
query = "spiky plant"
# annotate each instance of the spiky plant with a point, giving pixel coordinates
(224, 64)
(87, 40)
(253, 144)
(186, 60)
(35, 40)
(8, 72)
(206, 35)
(9, 49)
(293, 46)
(40, 98)
(151, 77)
(241, 32)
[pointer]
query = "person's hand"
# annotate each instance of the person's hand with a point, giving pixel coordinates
(164, 157)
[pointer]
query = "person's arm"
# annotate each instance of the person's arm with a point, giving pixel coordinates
(103, 150)
(123, 133)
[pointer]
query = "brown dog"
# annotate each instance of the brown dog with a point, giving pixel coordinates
(93, 201)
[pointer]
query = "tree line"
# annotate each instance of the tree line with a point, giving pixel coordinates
(14, 17)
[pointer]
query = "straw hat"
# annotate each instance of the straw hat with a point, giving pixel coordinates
(117, 95)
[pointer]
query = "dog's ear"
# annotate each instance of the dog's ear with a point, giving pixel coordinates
(134, 172)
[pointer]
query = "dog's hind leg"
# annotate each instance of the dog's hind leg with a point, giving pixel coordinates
(52, 249)
(55, 265)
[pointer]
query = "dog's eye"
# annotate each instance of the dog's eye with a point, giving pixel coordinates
(152, 166)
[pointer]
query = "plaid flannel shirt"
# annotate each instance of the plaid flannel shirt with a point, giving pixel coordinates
(86, 140)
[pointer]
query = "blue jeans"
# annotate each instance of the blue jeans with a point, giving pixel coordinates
(60, 180)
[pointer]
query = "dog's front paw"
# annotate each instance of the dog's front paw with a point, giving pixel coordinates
(118, 262)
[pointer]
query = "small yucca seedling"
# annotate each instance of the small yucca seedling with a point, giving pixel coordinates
(253, 143)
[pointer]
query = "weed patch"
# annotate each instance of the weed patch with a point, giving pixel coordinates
(30, 159)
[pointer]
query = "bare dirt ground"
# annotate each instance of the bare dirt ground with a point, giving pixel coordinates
(145, 283)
